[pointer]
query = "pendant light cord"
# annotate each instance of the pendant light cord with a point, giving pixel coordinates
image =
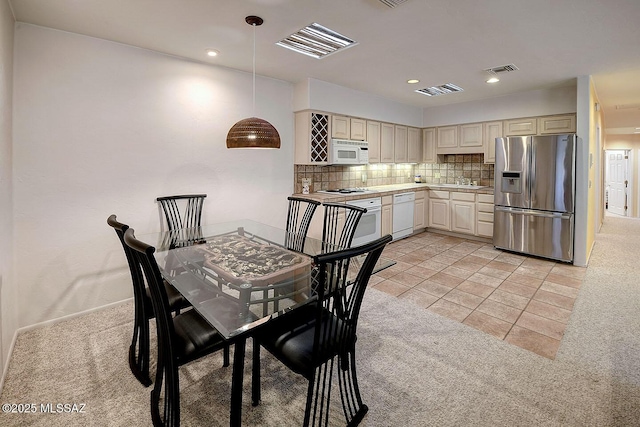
(254, 70)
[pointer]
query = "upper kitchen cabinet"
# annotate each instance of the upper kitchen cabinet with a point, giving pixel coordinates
(414, 145)
(312, 138)
(340, 127)
(557, 124)
(343, 127)
(459, 139)
(359, 129)
(401, 144)
(387, 142)
(429, 146)
(520, 127)
(491, 130)
(471, 136)
(544, 125)
(447, 139)
(373, 138)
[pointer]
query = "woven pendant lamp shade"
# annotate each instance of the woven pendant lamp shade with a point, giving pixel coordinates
(253, 133)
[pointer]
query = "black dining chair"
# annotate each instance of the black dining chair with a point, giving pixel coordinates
(299, 219)
(143, 309)
(339, 226)
(183, 211)
(318, 339)
(181, 339)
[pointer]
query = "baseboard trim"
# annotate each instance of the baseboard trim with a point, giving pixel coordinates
(460, 235)
(71, 316)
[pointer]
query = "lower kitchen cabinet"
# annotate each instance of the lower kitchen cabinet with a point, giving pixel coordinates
(386, 215)
(463, 213)
(420, 211)
(439, 210)
(484, 215)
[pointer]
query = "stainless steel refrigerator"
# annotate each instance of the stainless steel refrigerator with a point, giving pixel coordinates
(534, 195)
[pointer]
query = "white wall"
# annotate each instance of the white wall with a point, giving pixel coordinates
(102, 128)
(8, 292)
(526, 104)
(318, 95)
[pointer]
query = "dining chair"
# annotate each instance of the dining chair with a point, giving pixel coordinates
(143, 309)
(339, 225)
(182, 338)
(298, 221)
(183, 211)
(318, 340)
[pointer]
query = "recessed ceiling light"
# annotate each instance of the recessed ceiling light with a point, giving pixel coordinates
(212, 52)
(493, 80)
(413, 81)
(316, 41)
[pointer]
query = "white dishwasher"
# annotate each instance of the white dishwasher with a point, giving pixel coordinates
(403, 214)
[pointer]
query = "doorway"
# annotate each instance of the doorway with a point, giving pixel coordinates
(616, 182)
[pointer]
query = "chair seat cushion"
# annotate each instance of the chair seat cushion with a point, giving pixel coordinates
(290, 339)
(195, 337)
(176, 300)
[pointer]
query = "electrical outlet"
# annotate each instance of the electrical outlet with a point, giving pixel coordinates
(364, 178)
(436, 175)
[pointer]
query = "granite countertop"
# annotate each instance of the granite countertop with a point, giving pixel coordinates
(387, 190)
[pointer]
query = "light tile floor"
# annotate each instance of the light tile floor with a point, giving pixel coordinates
(525, 301)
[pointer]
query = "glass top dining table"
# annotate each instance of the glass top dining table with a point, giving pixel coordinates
(238, 275)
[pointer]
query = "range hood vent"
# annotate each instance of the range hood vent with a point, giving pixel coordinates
(502, 69)
(440, 90)
(392, 3)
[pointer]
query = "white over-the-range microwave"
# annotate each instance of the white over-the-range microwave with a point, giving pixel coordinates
(348, 152)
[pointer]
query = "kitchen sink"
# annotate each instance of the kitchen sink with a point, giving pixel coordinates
(461, 186)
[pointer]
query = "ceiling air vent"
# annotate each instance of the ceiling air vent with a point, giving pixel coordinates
(316, 41)
(392, 3)
(502, 69)
(440, 90)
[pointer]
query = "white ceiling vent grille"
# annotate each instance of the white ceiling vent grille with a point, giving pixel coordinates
(440, 90)
(316, 41)
(392, 3)
(502, 69)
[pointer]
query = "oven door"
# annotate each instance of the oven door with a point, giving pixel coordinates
(368, 228)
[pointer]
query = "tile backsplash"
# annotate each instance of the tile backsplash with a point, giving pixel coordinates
(470, 166)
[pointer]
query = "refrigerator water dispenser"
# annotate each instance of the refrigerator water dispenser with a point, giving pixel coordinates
(511, 182)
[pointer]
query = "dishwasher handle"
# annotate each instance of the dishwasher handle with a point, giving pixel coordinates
(404, 197)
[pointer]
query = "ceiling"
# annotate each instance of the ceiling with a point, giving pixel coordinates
(436, 41)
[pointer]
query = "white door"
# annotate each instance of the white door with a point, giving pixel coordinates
(617, 182)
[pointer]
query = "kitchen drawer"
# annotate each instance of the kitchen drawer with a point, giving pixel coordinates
(485, 198)
(484, 229)
(485, 207)
(387, 200)
(420, 194)
(438, 194)
(465, 197)
(485, 216)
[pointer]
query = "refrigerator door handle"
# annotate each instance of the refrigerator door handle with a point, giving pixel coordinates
(534, 213)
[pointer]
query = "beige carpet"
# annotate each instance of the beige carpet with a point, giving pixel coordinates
(416, 368)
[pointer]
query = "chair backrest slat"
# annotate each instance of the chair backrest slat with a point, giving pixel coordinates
(143, 255)
(341, 297)
(182, 211)
(298, 222)
(338, 228)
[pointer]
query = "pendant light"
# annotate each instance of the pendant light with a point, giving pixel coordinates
(253, 132)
